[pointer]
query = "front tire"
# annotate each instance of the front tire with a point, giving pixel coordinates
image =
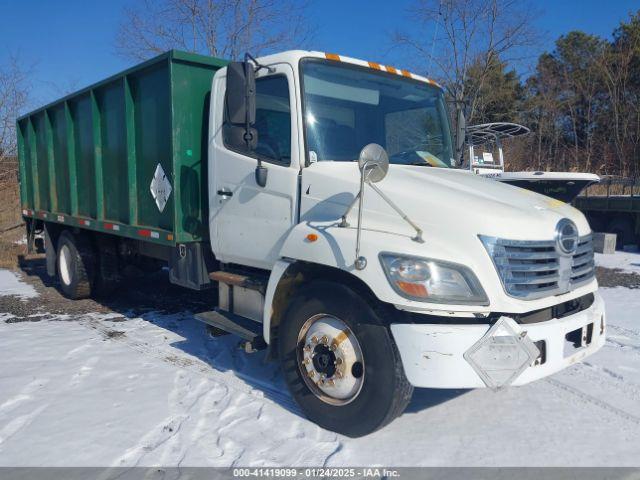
(340, 361)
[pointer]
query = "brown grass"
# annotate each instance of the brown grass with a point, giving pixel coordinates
(11, 230)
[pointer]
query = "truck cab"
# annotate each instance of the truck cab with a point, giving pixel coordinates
(385, 268)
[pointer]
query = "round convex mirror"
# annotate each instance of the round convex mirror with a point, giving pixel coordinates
(374, 162)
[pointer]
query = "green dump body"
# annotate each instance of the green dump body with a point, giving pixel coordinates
(88, 160)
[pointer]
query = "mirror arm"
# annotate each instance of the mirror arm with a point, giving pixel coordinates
(418, 238)
(360, 262)
(259, 66)
(343, 223)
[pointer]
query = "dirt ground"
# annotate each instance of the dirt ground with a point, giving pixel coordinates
(134, 297)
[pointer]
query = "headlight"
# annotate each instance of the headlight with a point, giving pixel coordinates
(433, 281)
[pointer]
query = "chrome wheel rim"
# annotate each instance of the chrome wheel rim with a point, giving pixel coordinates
(64, 266)
(330, 359)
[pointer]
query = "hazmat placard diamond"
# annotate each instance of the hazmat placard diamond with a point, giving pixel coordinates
(502, 354)
(160, 188)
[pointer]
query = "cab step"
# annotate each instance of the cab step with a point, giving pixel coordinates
(245, 328)
(251, 282)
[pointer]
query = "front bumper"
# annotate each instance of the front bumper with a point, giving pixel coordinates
(433, 355)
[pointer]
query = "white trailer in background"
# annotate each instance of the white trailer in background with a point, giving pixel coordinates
(488, 138)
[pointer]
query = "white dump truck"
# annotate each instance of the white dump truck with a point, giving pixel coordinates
(334, 224)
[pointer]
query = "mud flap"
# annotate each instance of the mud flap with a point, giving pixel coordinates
(51, 250)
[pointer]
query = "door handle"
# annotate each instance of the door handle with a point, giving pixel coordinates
(224, 193)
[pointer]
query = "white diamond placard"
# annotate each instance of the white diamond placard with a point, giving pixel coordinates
(160, 188)
(502, 354)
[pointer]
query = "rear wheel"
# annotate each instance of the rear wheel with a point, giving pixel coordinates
(340, 362)
(75, 265)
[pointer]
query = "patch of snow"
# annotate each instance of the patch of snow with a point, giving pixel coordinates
(628, 261)
(21, 241)
(157, 390)
(11, 284)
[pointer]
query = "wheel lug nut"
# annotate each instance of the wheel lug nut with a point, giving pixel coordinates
(338, 361)
(307, 348)
(314, 339)
(338, 374)
(334, 347)
(306, 361)
(325, 340)
(312, 374)
(331, 383)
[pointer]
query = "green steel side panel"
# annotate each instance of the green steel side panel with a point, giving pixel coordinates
(150, 89)
(51, 165)
(24, 153)
(132, 170)
(42, 160)
(110, 103)
(60, 156)
(33, 163)
(82, 119)
(96, 123)
(191, 86)
(71, 159)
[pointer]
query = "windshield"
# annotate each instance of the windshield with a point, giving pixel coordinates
(347, 107)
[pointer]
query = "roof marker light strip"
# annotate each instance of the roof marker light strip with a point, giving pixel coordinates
(376, 66)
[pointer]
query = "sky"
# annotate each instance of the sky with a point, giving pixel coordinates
(70, 44)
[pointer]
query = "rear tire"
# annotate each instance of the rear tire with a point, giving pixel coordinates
(75, 265)
(378, 390)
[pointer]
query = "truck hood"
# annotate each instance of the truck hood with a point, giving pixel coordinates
(453, 201)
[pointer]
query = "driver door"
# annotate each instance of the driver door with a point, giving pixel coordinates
(249, 223)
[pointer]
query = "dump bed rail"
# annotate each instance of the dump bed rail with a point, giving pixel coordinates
(126, 156)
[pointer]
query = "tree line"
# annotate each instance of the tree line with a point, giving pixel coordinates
(582, 103)
(581, 100)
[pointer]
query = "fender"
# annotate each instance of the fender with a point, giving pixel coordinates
(327, 244)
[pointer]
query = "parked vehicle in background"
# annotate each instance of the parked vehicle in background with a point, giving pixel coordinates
(488, 138)
(614, 207)
(315, 191)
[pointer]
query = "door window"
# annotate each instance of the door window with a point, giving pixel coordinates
(273, 120)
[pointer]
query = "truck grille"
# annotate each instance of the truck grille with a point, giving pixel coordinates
(535, 269)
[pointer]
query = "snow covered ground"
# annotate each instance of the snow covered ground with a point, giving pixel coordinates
(150, 388)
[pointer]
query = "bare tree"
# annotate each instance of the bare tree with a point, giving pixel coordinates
(221, 28)
(14, 94)
(468, 33)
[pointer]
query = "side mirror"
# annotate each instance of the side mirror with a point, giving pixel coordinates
(241, 106)
(241, 112)
(373, 163)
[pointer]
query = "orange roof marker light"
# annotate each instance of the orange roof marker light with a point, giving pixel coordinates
(385, 68)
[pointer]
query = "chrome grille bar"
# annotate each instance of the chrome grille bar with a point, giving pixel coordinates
(535, 269)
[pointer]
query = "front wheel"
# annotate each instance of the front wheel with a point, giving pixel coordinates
(340, 362)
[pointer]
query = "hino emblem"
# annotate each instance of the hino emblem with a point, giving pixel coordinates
(567, 237)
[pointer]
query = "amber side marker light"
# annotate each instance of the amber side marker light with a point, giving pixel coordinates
(312, 237)
(413, 289)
